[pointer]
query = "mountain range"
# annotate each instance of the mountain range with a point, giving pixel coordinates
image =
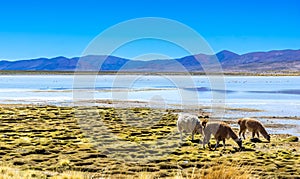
(276, 60)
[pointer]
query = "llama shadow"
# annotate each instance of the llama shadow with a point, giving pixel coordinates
(213, 145)
(198, 141)
(190, 142)
(257, 140)
(244, 149)
(228, 149)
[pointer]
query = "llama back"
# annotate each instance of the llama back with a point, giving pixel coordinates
(225, 131)
(252, 124)
(211, 128)
(187, 122)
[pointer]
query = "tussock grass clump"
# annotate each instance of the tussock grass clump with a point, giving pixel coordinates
(14, 173)
(226, 171)
(222, 172)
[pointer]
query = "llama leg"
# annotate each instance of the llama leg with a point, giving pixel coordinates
(243, 135)
(217, 144)
(240, 133)
(206, 141)
(193, 136)
(209, 145)
(181, 136)
(257, 133)
(253, 135)
(224, 143)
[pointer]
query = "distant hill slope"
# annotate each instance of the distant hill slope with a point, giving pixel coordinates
(277, 60)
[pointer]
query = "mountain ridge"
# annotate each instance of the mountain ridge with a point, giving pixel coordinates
(274, 60)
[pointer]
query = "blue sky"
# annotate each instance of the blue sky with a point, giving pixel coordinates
(49, 28)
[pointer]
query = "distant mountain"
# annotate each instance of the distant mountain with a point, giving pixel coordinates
(277, 60)
(226, 55)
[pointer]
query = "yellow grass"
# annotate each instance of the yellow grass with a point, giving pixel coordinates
(221, 172)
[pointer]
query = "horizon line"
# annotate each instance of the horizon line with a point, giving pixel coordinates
(68, 57)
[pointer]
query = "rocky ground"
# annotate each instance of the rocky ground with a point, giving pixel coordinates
(111, 141)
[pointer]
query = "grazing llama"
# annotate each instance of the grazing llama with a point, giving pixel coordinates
(221, 131)
(189, 123)
(253, 126)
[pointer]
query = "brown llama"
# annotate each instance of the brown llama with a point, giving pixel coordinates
(221, 131)
(253, 126)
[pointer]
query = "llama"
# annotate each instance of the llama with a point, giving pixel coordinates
(253, 126)
(189, 123)
(221, 131)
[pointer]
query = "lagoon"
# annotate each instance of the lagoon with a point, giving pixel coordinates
(273, 95)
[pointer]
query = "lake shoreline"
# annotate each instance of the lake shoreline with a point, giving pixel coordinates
(274, 123)
(268, 73)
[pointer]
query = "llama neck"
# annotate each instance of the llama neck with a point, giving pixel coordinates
(233, 135)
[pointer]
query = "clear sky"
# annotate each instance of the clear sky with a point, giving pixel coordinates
(49, 28)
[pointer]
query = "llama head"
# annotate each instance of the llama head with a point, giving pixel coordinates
(268, 137)
(198, 129)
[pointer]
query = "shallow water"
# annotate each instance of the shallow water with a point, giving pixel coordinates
(274, 96)
(277, 96)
